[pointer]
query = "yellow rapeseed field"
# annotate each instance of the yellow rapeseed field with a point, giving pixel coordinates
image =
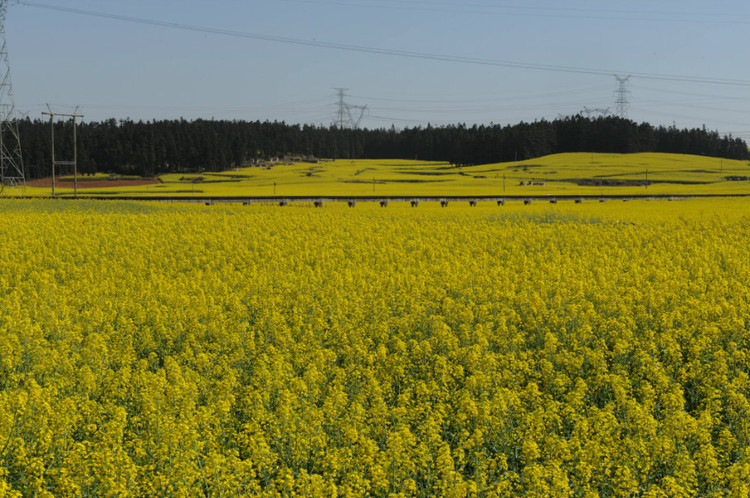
(594, 349)
(558, 174)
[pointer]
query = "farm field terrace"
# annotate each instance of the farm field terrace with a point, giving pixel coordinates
(559, 174)
(587, 349)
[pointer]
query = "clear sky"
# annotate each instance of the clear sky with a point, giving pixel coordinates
(409, 61)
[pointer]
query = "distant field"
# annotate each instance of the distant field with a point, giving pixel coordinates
(559, 174)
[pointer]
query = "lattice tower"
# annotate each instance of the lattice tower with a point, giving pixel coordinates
(12, 178)
(621, 94)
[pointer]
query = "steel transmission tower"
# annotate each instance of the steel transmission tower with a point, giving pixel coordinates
(622, 96)
(11, 162)
(341, 114)
(596, 110)
(348, 115)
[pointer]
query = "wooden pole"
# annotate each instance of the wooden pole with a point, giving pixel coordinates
(2, 160)
(75, 159)
(52, 133)
(75, 148)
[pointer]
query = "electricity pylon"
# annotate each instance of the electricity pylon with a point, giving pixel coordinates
(345, 118)
(12, 178)
(596, 110)
(622, 96)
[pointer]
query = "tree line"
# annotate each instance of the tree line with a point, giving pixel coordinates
(172, 146)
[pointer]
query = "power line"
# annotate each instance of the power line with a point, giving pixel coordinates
(672, 91)
(483, 101)
(382, 51)
(544, 12)
(683, 105)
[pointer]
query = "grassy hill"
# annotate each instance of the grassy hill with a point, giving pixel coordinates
(559, 174)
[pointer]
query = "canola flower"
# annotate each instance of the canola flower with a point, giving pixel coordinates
(638, 174)
(569, 350)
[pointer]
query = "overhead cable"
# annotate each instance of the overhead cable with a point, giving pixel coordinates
(384, 51)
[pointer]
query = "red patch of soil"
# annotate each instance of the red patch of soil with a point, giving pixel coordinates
(89, 183)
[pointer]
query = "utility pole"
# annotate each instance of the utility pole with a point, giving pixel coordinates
(52, 134)
(55, 162)
(12, 174)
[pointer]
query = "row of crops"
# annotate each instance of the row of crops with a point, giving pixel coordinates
(551, 350)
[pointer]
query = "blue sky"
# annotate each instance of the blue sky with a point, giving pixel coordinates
(473, 61)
